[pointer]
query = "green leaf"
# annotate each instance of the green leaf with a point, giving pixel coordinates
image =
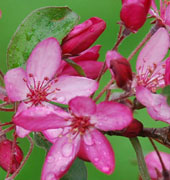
(40, 24)
(64, 106)
(41, 142)
(77, 171)
(78, 68)
(166, 90)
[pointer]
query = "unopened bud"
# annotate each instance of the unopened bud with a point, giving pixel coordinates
(167, 72)
(6, 155)
(120, 68)
(134, 13)
(133, 129)
(83, 36)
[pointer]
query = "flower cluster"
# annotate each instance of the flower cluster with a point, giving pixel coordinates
(68, 74)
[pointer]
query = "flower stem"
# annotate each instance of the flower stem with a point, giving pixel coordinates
(139, 46)
(104, 89)
(141, 162)
(165, 172)
(26, 158)
(146, 38)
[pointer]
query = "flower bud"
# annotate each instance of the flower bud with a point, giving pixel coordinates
(134, 13)
(133, 129)
(120, 69)
(6, 154)
(83, 36)
(167, 72)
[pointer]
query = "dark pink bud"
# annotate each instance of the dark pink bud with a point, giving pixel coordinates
(120, 68)
(6, 154)
(133, 129)
(91, 54)
(167, 72)
(134, 13)
(83, 36)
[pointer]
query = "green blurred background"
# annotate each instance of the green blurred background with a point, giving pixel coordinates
(13, 12)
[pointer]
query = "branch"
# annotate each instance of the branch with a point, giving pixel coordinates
(162, 135)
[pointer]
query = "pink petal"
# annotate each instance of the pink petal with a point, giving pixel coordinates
(21, 132)
(53, 135)
(112, 116)
(40, 118)
(156, 104)
(89, 54)
(91, 69)
(60, 158)
(167, 72)
(15, 85)
(71, 87)
(153, 163)
(100, 152)
(82, 106)
(44, 60)
(167, 15)
(154, 51)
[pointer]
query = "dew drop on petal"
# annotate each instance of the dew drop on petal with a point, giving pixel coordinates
(106, 168)
(61, 99)
(67, 149)
(88, 139)
(96, 159)
(50, 159)
(50, 176)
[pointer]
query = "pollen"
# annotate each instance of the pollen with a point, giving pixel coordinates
(38, 91)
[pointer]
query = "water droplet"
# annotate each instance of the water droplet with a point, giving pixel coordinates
(96, 159)
(63, 168)
(88, 139)
(50, 159)
(50, 176)
(61, 99)
(106, 168)
(67, 149)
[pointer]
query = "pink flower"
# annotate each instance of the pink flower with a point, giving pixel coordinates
(83, 36)
(39, 84)
(134, 13)
(154, 166)
(151, 74)
(6, 154)
(82, 134)
(162, 15)
(120, 69)
(87, 60)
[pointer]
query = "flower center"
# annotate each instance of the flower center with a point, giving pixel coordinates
(39, 91)
(152, 78)
(80, 124)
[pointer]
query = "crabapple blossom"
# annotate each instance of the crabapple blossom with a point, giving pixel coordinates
(80, 133)
(151, 74)
(87, 60)
(154, 166)
(85, 118)
(5, 155)
(163, 14)
(39, 84)
(83, 36)
(134, 13)
(120, 69)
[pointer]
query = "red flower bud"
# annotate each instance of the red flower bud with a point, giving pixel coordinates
(120, 69)
(83, 36)
(167, 72)
(133, 129)
(134, 13)
(5, 155)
